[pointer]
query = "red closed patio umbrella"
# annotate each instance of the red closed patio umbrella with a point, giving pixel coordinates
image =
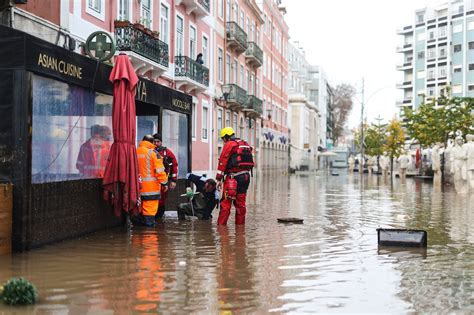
(121, 172)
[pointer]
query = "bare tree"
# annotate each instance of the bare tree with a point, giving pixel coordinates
(342, 107)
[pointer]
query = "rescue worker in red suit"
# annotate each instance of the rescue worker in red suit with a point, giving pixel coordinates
(233, 174)
(171, 168)
(153, 178)
(93, 154)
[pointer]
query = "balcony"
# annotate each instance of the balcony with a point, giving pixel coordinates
(236, 38)
(405, 66)
(405, 30)
(405, 48)
(200, 8)
(147, 53)
(254, 106)
(404, 85)
(190, 75)
(254, 55)
(236, 96)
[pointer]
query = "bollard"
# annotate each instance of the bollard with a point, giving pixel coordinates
(402, 237)
(6, 207)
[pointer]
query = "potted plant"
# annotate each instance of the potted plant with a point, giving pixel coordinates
(121, 23)
(155, 34)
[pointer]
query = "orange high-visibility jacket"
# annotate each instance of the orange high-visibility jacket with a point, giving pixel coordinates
(152, 171)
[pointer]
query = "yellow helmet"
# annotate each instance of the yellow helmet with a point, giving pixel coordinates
(227, 131)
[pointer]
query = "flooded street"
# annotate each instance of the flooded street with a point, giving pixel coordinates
(331, 263)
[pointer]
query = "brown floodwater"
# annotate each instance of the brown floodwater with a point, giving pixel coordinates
(331, 263)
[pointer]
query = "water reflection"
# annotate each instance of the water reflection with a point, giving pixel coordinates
(331, 263)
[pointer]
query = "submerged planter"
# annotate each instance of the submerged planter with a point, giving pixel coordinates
(402, 237)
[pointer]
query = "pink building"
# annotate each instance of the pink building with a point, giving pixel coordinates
(274, 137)
(236, 72)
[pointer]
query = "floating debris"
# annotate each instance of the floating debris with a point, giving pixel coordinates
(402, 237)
(290, 220)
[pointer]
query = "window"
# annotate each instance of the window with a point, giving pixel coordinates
(235, 71)
(164, 24)
(457, 48)
(442, 31)
(470, 25)
(430, 91)
(431, 74)
(470, 87)
(421, 55)
(192, 42)
(220, 64)
(219, 123)
(124, 10)
(420, 74)
(420, 17)
(96, 8)
(248, 82)
(227, 10)
(242, 128)
(227, 119)
(242, 78)
(236, 12)
(431, 34)
(471, 45)
(220, 8)
(442, 52)
(71, 131)
(179, 35)
(457, 69)
(227, 64)
(146, 13)
(431, 53)
(242, 19)
(175, 135)
(194, 122)
(204, 122)
(442, 71)
(234, 122)
(471, 66)
(205, 50)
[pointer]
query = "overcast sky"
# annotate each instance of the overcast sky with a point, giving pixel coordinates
(352, 39)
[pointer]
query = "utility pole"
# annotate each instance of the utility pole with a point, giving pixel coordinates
(361, 163)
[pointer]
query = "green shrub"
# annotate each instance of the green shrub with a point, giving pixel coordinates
(19, 291)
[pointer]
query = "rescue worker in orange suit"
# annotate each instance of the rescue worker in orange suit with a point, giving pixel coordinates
(235, 163)
(153, 178)
(171, 168)
(93, 154)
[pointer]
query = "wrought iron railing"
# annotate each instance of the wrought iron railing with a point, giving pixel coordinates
(237, 95)
(235, 33)
(129, 38)
(186, 67)
(255, 104)
(205, 4)
(254, 51)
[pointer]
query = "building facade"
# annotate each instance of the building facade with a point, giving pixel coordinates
(273, 139)
(304, 115)
(438, 51)
(237, 71)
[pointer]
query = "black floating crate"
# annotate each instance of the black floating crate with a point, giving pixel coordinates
(402, 237)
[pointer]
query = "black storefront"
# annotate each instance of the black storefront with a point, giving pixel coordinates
(50, 99)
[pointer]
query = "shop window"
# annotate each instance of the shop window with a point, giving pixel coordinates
(175, 137)
(146, 125)
(71, 131)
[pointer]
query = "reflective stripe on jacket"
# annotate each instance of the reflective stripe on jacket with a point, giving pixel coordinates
(151, 170)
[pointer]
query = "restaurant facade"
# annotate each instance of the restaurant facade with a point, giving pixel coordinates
(55, 104)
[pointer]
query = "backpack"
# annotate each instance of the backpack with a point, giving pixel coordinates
(243, 157)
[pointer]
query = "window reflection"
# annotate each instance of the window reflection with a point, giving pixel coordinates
(71, 133)
(175, 137)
